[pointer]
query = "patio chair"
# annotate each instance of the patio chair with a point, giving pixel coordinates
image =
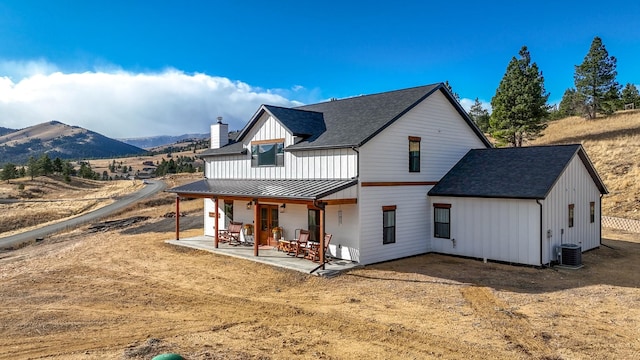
(301, 243)
(313, 251)
(232, 234)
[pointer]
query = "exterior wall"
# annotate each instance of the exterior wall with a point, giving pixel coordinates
(574, 186)
(445, 138)
(412, 222)
(494, 229)
(308, 164)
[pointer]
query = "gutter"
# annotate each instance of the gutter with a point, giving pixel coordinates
(600, 227)
(541, 234)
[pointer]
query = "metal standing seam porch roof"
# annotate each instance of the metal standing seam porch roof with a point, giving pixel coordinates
(276, 189)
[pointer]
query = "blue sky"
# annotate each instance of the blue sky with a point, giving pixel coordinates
(141, 68)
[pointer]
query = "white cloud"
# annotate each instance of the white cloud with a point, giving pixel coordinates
(123, 104)
(468, 103)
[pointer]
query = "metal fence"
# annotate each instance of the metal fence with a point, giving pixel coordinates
(621, 224)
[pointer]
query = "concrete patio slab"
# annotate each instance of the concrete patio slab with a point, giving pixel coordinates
(267, 255)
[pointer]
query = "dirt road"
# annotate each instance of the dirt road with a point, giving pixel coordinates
(153, 187)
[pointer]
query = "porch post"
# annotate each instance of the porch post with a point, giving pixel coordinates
(217, 220)
(177, 217)
(322, 235)
(256, 224)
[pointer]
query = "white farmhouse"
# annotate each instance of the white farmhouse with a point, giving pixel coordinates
(362, 168)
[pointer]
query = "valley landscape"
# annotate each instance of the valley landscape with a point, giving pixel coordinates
(126, 294)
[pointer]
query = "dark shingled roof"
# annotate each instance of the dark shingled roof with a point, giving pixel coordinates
(519, 173)
(277, 189)
(233, 148)
(353, 121)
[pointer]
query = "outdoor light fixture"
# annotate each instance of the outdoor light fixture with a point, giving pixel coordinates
(249, 205)
(282, 207)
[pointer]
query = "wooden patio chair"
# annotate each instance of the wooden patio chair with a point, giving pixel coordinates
(232, 234)
(301, 243)
(313, 251)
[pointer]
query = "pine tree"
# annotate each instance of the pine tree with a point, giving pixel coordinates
(480, 115)
(630, 95)
(33, 167)
(57, 165)
(571, 104)
(455, 94)
(9, 172)
(520, 103)
(46, 166)
(595, 80)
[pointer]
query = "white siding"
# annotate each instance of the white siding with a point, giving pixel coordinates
(308, 164)
(575, 186)
(412, 225)
(494, 229)
(445, 138)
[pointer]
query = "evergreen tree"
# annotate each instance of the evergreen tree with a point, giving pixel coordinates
(520, 103)
(9, 172)
(455, 94)
(480, 115)
(595, 80)
(571, 104)
(22, 172)
(630, 95)
(57, 165)
(46, 166)
(33, 167)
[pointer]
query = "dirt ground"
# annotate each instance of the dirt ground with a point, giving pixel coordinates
(125, 294)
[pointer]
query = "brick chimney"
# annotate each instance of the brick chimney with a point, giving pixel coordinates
(219, 134)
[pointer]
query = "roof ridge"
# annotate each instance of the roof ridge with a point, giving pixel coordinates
(373, 94)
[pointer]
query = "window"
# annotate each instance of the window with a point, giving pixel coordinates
(388, 224)
(267, 153)
(592, 212)
(314, 224)
(414, 154)
(228, 212)
(442, 221)
(571, 213)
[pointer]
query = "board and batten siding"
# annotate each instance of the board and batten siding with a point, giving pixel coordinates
(445, 139)
(302, 164)
(412, 222)
(493, 229)
(574, 186)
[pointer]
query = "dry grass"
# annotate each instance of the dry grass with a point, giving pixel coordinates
(51, 199)
(613, 144)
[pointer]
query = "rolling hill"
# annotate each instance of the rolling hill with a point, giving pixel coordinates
(613, 144)
(4, 131)
(157, 141)
(60, 140)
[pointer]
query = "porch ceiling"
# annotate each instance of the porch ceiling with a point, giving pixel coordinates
(271, 189)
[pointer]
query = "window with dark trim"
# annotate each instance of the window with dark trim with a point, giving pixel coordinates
(592, 212)
(388, 224)
(571, 214)
(228, 212)
(414, 154)
(267, 153)
(442, 221)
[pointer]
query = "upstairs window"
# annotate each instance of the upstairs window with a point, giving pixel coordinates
(414, 154)
(267, 153)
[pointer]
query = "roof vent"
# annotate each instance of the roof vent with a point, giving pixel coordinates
(571, 255)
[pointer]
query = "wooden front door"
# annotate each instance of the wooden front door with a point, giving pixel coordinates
(268, 220)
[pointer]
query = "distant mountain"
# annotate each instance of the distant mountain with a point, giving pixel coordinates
(4, 131)
(60, 140)
(155, 141)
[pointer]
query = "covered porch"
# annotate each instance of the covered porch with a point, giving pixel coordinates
(262, 206)
(268, 256)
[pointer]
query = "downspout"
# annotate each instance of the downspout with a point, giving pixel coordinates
(600, 227)
(541, 233)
